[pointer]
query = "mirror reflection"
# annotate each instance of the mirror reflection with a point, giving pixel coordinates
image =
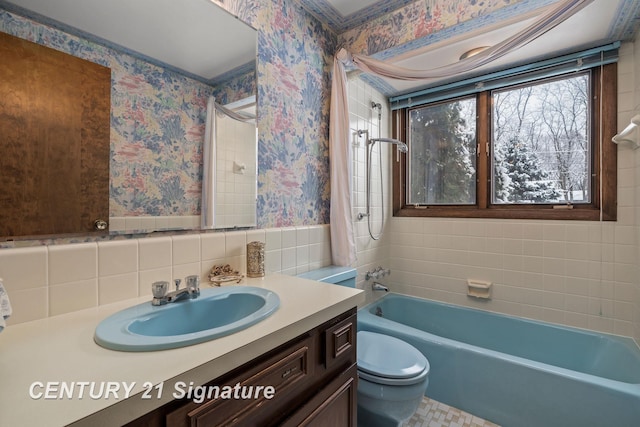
(158, 103)
(229, 187)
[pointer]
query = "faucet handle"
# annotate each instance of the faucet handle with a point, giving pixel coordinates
(159, 289)
(193, 285)
(193, 281)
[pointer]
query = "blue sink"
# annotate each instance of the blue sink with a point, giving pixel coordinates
(215, 313)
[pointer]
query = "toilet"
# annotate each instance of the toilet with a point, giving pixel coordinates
(392, 374)
(392, 379)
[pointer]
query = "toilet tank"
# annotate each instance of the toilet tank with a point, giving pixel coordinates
(344, 276)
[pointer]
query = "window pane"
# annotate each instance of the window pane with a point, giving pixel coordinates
(541, 147)
(442, 154)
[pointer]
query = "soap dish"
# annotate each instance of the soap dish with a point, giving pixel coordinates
(224, 274)
(479, 289)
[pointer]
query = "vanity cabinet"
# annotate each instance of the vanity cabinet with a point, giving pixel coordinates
(314, 377)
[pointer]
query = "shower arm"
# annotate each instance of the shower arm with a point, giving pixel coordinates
(363, 132)
(401, 145)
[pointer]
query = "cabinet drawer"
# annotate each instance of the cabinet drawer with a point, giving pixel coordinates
(340, 342)
(283, 371)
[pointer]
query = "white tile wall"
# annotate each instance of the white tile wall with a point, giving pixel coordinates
(632, 79)
(236, 190)
(50, 280)
(552, 271)
(371, 253)
(117, 270)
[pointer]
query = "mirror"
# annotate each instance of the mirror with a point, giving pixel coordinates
(166, 59)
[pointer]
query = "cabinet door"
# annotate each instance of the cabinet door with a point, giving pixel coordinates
(340, 343)
(335, 405)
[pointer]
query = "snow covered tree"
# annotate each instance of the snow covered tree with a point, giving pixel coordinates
(519, 176)
(443, 154)
(550, 118)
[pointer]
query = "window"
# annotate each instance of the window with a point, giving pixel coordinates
(442, 159)
(540, 142)
(526, 150)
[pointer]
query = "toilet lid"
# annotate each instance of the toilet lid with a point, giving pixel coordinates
(388, 357)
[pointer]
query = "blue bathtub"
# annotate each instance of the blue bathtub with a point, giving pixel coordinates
(512, 371)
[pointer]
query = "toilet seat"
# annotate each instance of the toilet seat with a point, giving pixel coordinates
(384, 359)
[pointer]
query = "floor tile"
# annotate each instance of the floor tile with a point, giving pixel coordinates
(435, 414)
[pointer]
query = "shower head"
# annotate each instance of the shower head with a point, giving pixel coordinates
(401, 145)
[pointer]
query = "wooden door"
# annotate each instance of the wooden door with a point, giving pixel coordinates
(54, 140)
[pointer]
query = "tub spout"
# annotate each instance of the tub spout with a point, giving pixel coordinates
(379, 287)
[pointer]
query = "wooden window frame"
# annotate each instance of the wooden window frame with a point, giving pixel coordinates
(604, 197)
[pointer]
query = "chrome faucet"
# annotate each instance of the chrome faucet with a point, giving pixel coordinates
(377, 273)
(161, 297)
(379, 287)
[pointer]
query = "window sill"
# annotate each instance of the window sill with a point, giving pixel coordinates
(582, 213)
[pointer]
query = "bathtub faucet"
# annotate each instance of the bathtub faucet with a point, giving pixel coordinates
(379, 287)
(377, 273)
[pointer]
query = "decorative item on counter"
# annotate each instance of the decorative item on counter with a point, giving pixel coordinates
(255, 259)
(224, 273)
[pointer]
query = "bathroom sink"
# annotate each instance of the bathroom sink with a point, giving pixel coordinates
(217, 312)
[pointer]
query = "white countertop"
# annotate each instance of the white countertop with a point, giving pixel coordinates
(60, 350)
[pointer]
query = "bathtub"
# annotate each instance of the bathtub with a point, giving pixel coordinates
(512, 371)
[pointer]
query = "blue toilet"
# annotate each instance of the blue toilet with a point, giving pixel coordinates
(392, 374)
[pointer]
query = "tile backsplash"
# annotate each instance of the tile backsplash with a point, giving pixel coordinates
(46, 281)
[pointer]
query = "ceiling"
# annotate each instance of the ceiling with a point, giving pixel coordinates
(171, 33)
(599, 23)
(343, 15)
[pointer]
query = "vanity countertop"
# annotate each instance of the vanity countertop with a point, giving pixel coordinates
(39, 359)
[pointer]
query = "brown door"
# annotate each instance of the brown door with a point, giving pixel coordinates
(54, 140)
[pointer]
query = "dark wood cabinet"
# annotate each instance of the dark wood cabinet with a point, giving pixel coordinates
(334, 405)
(313, 379)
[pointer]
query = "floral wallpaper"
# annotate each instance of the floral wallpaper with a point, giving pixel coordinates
(295, 54)
(415, 23)
(156, 141)
(239, 87)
